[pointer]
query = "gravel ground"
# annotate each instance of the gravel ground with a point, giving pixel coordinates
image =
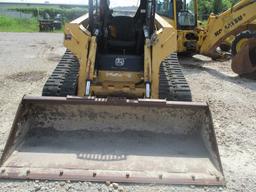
(27, 59)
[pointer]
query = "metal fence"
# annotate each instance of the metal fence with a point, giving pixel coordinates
(15, 14)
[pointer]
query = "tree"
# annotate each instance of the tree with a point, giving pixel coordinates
(206, 7)
(218, 6)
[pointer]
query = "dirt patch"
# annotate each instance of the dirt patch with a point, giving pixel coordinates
(55, 58)
(27, 76)
(32, 45)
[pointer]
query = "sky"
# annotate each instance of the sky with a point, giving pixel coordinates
(113, 3)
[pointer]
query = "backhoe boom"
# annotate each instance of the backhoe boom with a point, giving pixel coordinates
(228, 23)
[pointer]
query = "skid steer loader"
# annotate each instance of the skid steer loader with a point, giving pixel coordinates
(193, 38)
(116, 108)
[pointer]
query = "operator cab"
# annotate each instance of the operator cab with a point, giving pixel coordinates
(120, 30)
(183, 15)
(182, 11)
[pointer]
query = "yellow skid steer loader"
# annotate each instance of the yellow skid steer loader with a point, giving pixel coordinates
(116, 108)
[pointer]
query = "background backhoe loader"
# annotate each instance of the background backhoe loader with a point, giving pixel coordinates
(116, 108)
(235, 25)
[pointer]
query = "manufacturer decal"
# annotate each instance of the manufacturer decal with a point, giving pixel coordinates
(234, 22)
(119, 62)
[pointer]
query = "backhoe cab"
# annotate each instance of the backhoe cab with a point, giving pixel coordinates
(182, 15)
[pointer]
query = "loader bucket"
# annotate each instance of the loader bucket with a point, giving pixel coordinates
(244, 62)
(133, 141)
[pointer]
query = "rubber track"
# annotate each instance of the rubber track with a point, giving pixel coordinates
(173, 85)
(64, 78)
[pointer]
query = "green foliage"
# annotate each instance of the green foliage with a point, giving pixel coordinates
(206, 7)
(9, 24)
(217, 6)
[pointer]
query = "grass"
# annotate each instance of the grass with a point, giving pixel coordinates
(9, 24)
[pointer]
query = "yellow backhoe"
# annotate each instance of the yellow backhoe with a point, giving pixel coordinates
(235, 25)
(116, 108)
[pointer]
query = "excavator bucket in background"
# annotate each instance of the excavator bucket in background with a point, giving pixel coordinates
(244, 62)
(89, 139)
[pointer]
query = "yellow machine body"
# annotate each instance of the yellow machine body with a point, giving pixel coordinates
(231, 22)
(108, 82)
(219, 28)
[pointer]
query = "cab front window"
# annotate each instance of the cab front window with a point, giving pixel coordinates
(185, 14)
(165, 8)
